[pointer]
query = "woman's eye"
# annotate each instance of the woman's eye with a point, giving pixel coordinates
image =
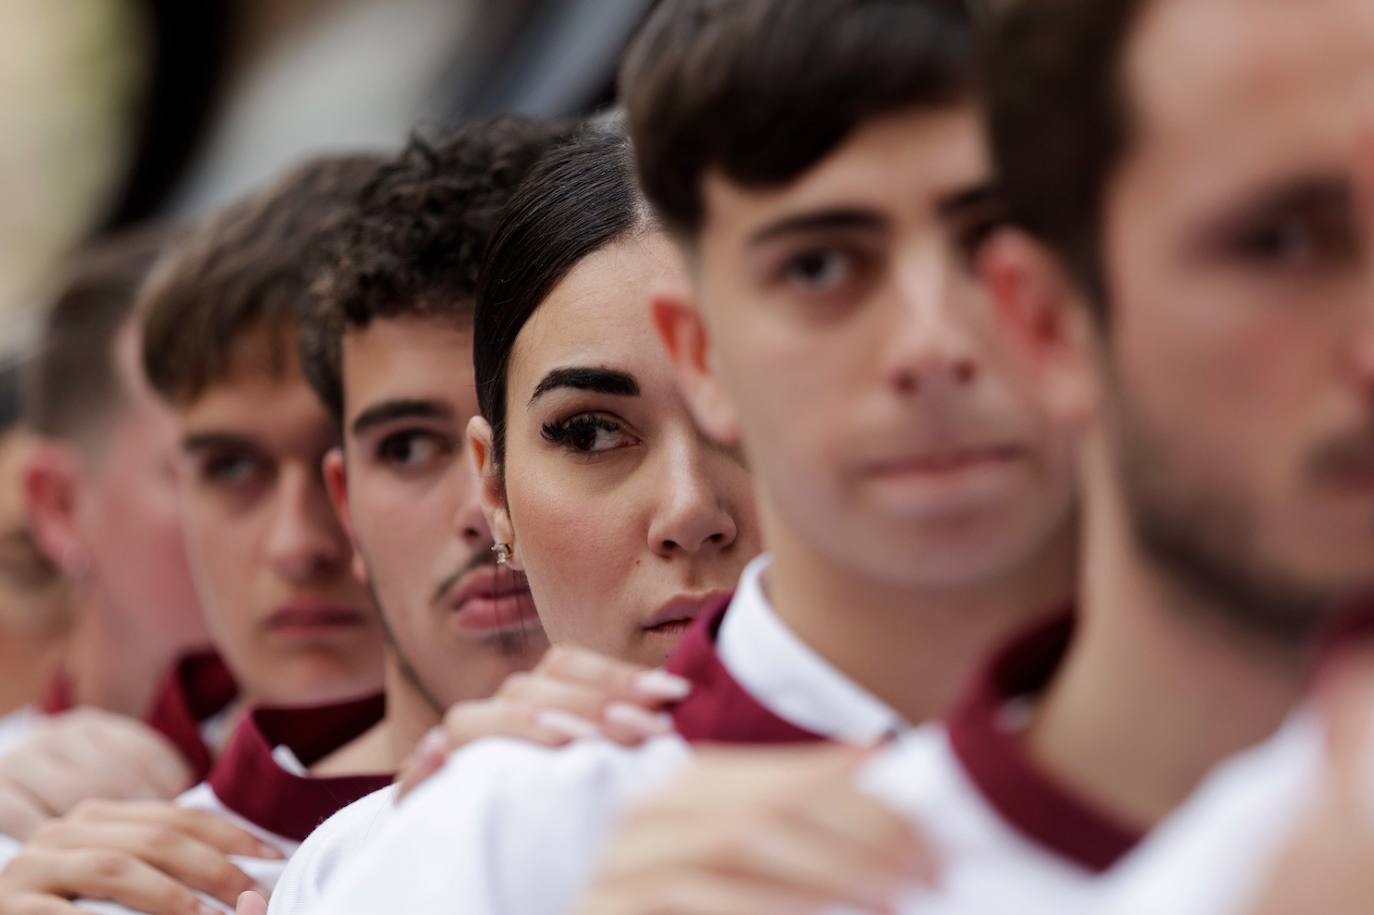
(588, 434)
(410, 449)
(820, 270)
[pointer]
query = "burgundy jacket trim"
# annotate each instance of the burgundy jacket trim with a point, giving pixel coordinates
(720, 710)
(197, 687)
(249, 782)
(995, 758)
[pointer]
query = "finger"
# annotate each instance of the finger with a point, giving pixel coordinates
(726, 777)
(429, 757)
(20, 814)
(1346, 703)
(614, 677)
(472, 721)
(251, 904)
(690, 893)
(35, 904)
(47, 782)
(70, 762)
(581, 700)
(184, 859)
(105, 875)
(212, 830)
(766, 852)
(132, 754)
(870, 827)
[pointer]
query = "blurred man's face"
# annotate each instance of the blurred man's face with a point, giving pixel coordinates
(861, 367)
(1239, 253)
(128, 513)
(33, 596)
(459, 626)
(272, 562)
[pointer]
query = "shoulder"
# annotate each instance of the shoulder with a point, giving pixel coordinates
(469, 839)
(321, 857)
(504, 772)
(916, 772)
(1234, 821)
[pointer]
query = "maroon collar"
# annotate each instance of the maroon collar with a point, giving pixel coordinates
(719, 710)
(249, 782)
(1351, 628)
(57, 695)
(197, 687)
(996, 760)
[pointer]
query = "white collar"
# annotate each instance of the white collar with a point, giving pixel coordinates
(788, 677)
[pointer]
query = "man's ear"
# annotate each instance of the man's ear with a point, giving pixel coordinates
(1045, 321)
(335, 470)
(52, 491)
(687, 339)
(492, 493)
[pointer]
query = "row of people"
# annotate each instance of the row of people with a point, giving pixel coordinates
(1042, 375)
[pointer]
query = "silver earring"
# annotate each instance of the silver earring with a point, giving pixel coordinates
(503, 553)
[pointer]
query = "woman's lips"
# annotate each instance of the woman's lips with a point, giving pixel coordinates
(677, 613)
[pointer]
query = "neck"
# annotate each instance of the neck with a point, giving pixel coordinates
(909, 646)
(409, 714)
(1157, 688)
(386, 746)
(109, 663)
(29, 664)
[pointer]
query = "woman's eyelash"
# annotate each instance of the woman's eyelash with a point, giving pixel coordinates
(579, 431)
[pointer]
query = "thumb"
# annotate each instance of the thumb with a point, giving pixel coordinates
(1346, 705)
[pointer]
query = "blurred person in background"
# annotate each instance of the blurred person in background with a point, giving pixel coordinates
(100, 500)
(267, 719)
(35, 606)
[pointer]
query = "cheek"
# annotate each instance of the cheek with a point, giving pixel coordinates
(401, 532)
(577, 549)
(224, 554)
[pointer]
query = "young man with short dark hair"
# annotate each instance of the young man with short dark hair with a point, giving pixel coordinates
(101, 508)
(1186, 280)
(1201, 204)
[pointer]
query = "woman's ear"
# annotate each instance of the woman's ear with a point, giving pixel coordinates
(493, 490)
(1051, 337)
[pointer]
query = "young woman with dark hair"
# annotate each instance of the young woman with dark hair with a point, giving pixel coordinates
(598, 484)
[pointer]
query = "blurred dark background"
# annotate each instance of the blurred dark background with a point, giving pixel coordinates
(119, 111)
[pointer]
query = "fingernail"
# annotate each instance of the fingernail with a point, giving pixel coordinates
(567, 725)
(269, 851)
(434, 744)
(659, 684)
(637, 719)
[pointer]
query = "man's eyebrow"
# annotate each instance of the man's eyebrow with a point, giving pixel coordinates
(602, 381)
(984, 196)
(840, 218)
(401, 408)
(217, 441)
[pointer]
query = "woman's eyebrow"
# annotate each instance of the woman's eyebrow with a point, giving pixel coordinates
(602, 381)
